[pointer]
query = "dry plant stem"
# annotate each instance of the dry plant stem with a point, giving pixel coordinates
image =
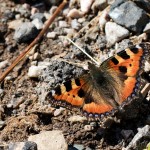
(35, 41)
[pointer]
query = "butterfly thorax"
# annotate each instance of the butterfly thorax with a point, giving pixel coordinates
(107, 84)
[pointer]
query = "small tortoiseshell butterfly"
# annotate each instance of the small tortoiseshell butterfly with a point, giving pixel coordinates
(105, 88)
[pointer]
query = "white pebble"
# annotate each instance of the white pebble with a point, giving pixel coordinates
(35, 71)
(63, 24)
(74, 13)
(77, 118)
(51, 35)
(3, 64)
(85, 5)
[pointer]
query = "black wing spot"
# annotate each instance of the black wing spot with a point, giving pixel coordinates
(114, 60)
(77, 81)
(134, 50)
(68, 86)
(130, 65)
(58, 91)
(123, 55)
(81, 93)
(123, 69)
(73, 96)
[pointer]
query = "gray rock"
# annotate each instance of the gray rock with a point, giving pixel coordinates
(114, 33)
(49, 140)
(99, 5)
(25, 32)
(124, 14)
(51, 35)
(39, 16)
(2, 123)
(38, 23)
(127, 133)
(22, 146)
(147, 28)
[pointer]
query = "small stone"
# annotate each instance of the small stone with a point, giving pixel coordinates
(26, 6)
(3, 64)
(38, 24)
(115, 33)
(103, 19)
(124, 14)
(75, 13)
(69, 31)
(14, 24)
(147, 66)
(25, 32)
(17, 16)
(51, 35)
(1, 92)
(88, 128)
(36, 56)
(75, 24)
(39, 16)
(52, 10)
(99, 5)
(34, 10)
(57, 112)
(2, 123)
(127, 133)
(65, 11)
(77, 118)
(22, 146)
(81, 20)
(47, 140)
(85, 5)
(63, 24)
(35, 71)
(147, 28)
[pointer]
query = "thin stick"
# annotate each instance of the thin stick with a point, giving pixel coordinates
(35, 41)
(83, 51)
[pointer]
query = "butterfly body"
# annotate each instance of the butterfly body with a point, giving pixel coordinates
(104, 88)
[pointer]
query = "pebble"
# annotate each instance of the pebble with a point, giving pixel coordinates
(69, 31)
(35, 71)
(75, 24)
(127, 133)
(147, 28)
(88, 128)
(34, 10)
(75, 13)
(26, 6)
(1, 92)
(103, 19)
(2, 123)
(38, 23)
(14, 24)
(62, 24)
(147, 66)
(47, 140)
(3, 64)
(99, 5)
(22, 146)
(85, 5)
(17, 16)
(52, 10)
(115, 33)
(36, 56)
(124, 14)
(39, 16)
(25, 32)
(77, 118)
(59, 111)
(51, 35)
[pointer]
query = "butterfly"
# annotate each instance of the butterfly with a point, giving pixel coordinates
(105, 88)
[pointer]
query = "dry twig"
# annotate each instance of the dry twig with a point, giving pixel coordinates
(35, 41)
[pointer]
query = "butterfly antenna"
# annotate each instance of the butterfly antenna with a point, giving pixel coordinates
(83, 51)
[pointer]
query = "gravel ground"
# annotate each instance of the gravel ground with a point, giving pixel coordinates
(102, 28)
